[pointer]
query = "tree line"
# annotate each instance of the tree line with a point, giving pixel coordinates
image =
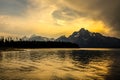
(18, 43)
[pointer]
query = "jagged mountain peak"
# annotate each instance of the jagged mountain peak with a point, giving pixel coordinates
(81, 33)
(85, 38)
(83, 30)
(85, 34)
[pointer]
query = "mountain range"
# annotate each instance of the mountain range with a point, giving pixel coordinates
(36, 38)
(83, 38)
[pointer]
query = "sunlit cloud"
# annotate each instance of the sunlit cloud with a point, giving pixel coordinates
(53, 18)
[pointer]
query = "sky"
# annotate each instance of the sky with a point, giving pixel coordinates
(53, 18)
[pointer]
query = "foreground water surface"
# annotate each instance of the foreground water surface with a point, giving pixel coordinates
(60, 64)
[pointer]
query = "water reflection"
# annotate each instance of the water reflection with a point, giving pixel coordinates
(54, 64)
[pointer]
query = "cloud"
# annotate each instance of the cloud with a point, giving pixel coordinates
(30, 16)
(65, 14)
(104, 10)
(25, 17)
(13, 7)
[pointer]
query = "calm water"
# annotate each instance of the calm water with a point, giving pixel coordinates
(60, 64)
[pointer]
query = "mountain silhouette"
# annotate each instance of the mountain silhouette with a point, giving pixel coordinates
(83, 38)
(36, 38)
(87, 39)
(62, 39)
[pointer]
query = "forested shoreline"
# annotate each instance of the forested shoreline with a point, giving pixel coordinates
(35, 44)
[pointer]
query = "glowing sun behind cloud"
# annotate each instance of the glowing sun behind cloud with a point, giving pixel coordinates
(51, 18)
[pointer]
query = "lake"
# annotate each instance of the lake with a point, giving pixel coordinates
(60, 64)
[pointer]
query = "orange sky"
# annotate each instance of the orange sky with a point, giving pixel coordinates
(47, 18)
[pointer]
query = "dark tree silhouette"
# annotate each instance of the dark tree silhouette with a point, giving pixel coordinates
(10, 43)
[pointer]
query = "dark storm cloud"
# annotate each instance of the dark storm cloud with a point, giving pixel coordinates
(106, 10)
(68, 14)
(13, 7)
(64, 14)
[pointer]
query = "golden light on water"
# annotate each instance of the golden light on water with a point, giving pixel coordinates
(54, 64)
